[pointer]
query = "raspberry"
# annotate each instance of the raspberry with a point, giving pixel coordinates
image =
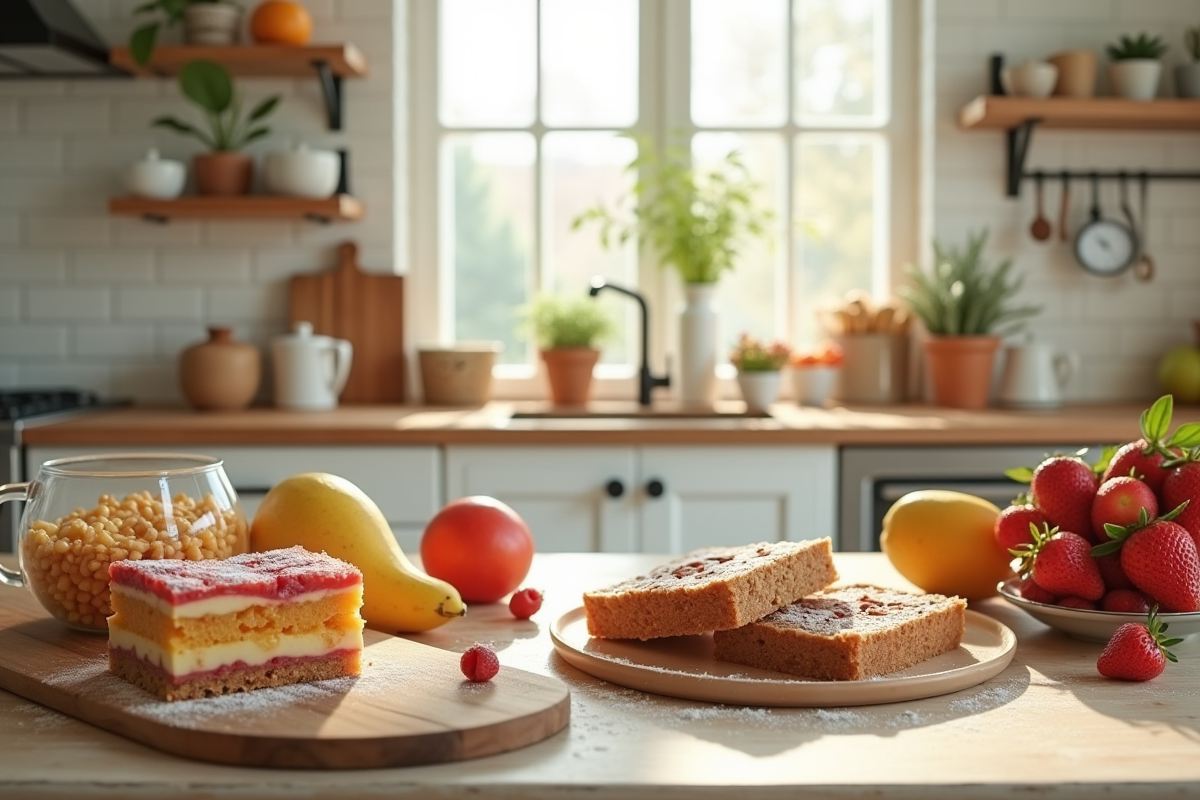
(479, 663)
(525, 603)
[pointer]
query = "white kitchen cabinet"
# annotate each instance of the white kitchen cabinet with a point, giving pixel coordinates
(404, 481)
(654, 499)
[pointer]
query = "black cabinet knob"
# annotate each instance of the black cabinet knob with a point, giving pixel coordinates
(654, 487)
(615, 488)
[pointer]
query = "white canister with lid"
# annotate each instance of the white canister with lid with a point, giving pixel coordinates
(310, 369)
(156, 178)
(302, 172)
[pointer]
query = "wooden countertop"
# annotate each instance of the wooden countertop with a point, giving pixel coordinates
(1048, 726)
(495, 424)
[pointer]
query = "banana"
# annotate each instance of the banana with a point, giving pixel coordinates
(323, 512)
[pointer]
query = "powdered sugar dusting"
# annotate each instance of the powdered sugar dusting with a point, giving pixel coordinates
(37, 717)
(988, 698)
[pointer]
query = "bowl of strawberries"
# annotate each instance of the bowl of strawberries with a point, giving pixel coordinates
(1099, 545)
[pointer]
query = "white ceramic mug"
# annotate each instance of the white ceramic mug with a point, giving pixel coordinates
(310, 370)
(1035, 376)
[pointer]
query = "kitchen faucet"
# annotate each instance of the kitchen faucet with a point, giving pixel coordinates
(646, 381)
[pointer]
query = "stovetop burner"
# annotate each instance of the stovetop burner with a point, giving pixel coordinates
(23, 403)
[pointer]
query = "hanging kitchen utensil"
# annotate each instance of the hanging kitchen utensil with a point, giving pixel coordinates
(1104, 247)
(1064, 208)
(1143, 268)
(1040, 229)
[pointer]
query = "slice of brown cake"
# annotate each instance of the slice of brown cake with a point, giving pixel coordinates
(710, 589)
(848, 633)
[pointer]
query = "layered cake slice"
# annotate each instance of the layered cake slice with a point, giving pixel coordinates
(848, 633)
(191, 629)
(710, 589)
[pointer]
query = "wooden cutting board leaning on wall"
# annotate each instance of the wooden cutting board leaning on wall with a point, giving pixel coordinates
(368, 310)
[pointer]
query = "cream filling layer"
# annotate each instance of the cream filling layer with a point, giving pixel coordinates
(225, 604)
(204, 659)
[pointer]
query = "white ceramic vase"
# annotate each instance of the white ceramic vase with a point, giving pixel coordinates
(1135, 78)
(698, 346)
(759, 388)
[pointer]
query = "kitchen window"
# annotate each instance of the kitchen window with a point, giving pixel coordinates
(521, 131)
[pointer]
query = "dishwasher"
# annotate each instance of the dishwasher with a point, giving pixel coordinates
(872, 479)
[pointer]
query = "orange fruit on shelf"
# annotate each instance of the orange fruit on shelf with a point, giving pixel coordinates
(281, 22)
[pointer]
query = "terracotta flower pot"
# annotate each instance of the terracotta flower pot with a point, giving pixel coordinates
(570, 372)
(223, 173)
(960, 369)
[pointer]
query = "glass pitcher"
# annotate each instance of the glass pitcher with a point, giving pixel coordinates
(84, 512)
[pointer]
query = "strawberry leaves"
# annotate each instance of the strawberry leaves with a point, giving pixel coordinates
(1117, 534)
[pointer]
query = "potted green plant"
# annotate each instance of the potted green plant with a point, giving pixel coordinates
(1136, 66)
(759, 366)
(568, 330)
(224, 170)
(696, 221)
(204, 22)
(1187, 76)
(966, 306)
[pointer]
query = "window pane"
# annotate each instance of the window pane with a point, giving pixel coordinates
(738, 62)
(841, 60)
(581, 170)
(488, 62)
(841, 221)
(590, 62)
(752, 297)
(488, 180)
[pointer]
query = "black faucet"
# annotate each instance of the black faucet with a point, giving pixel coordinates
(646, 381)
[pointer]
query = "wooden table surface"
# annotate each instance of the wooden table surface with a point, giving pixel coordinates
(1048, 726)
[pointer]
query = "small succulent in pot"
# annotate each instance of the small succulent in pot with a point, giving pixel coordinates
(1136, 66)
(1142, 46)
(568, 330)
(759, 355)
(210, 87)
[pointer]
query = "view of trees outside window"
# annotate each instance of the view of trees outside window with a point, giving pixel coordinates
(534, 95)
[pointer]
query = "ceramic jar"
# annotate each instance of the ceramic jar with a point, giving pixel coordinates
(1029, 79)
(211, 23)
(1076, 73)
(156, 178)
(302, 173)
(220, 374)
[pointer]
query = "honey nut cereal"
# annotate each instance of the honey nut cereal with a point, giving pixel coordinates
(67, 560)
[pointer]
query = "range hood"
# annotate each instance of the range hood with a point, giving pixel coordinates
(50, 39)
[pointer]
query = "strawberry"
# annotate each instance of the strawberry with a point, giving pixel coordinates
(1063, 488)
(1062, 564)
(1012, 526)
(1077, 602)
(1182, 485)
(1144, 458)
(1160, 558)
(1110, 570)
(1137, 652)
(1029, 590)
(1129, 601)
(1120, 501)
(1139, 459)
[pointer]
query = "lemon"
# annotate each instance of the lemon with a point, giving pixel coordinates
(943, 542)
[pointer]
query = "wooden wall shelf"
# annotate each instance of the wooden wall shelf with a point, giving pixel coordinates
(329, 64)
(1018, 116)
(339, 208)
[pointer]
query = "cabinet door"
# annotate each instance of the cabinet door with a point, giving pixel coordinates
(561, 493)
(735, 495)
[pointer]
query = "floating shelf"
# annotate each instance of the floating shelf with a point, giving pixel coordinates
(328, 63)
(1018, 116)
(339, 208)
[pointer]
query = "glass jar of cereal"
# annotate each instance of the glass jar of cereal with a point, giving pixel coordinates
(83, 513)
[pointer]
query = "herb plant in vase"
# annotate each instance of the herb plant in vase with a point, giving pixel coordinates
(697, 222)
(966, 307)
(224, 170)
(1187, 76)
(759, 370)
(1136, 66)
(568, 331)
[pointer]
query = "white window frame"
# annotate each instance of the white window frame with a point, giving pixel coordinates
(665, 46)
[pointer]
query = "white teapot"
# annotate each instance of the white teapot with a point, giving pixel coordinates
(310, 369)
(1035, 376)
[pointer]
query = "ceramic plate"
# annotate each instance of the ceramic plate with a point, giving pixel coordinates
(683, 666)
(1093, 626)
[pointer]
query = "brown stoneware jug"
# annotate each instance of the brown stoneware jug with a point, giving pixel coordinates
(220, 374)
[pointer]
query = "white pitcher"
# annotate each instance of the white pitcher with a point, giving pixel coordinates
(1035, 376)
(310, 369)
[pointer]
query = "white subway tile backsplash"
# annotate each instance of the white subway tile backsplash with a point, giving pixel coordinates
(68, 304)
(56, 193)
(208, 265)
(1141, 11)
(162, 304)
(31, 265)
(89, 375)
(279, 264)
(109, 153)
(149, 382)
(10, 304)
(10, 229)
(115, 341)
(108, 265)
(67, 115)
(8, 116)
(26, 341)
(258, 303)
(22, 155)
(51, 230)
(1057, 10)
(137, 231)
(251, 233)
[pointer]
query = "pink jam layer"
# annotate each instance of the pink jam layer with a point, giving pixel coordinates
(230, 669)
(273, 575)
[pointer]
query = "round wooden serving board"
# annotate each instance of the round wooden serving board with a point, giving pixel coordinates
(411, 705)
